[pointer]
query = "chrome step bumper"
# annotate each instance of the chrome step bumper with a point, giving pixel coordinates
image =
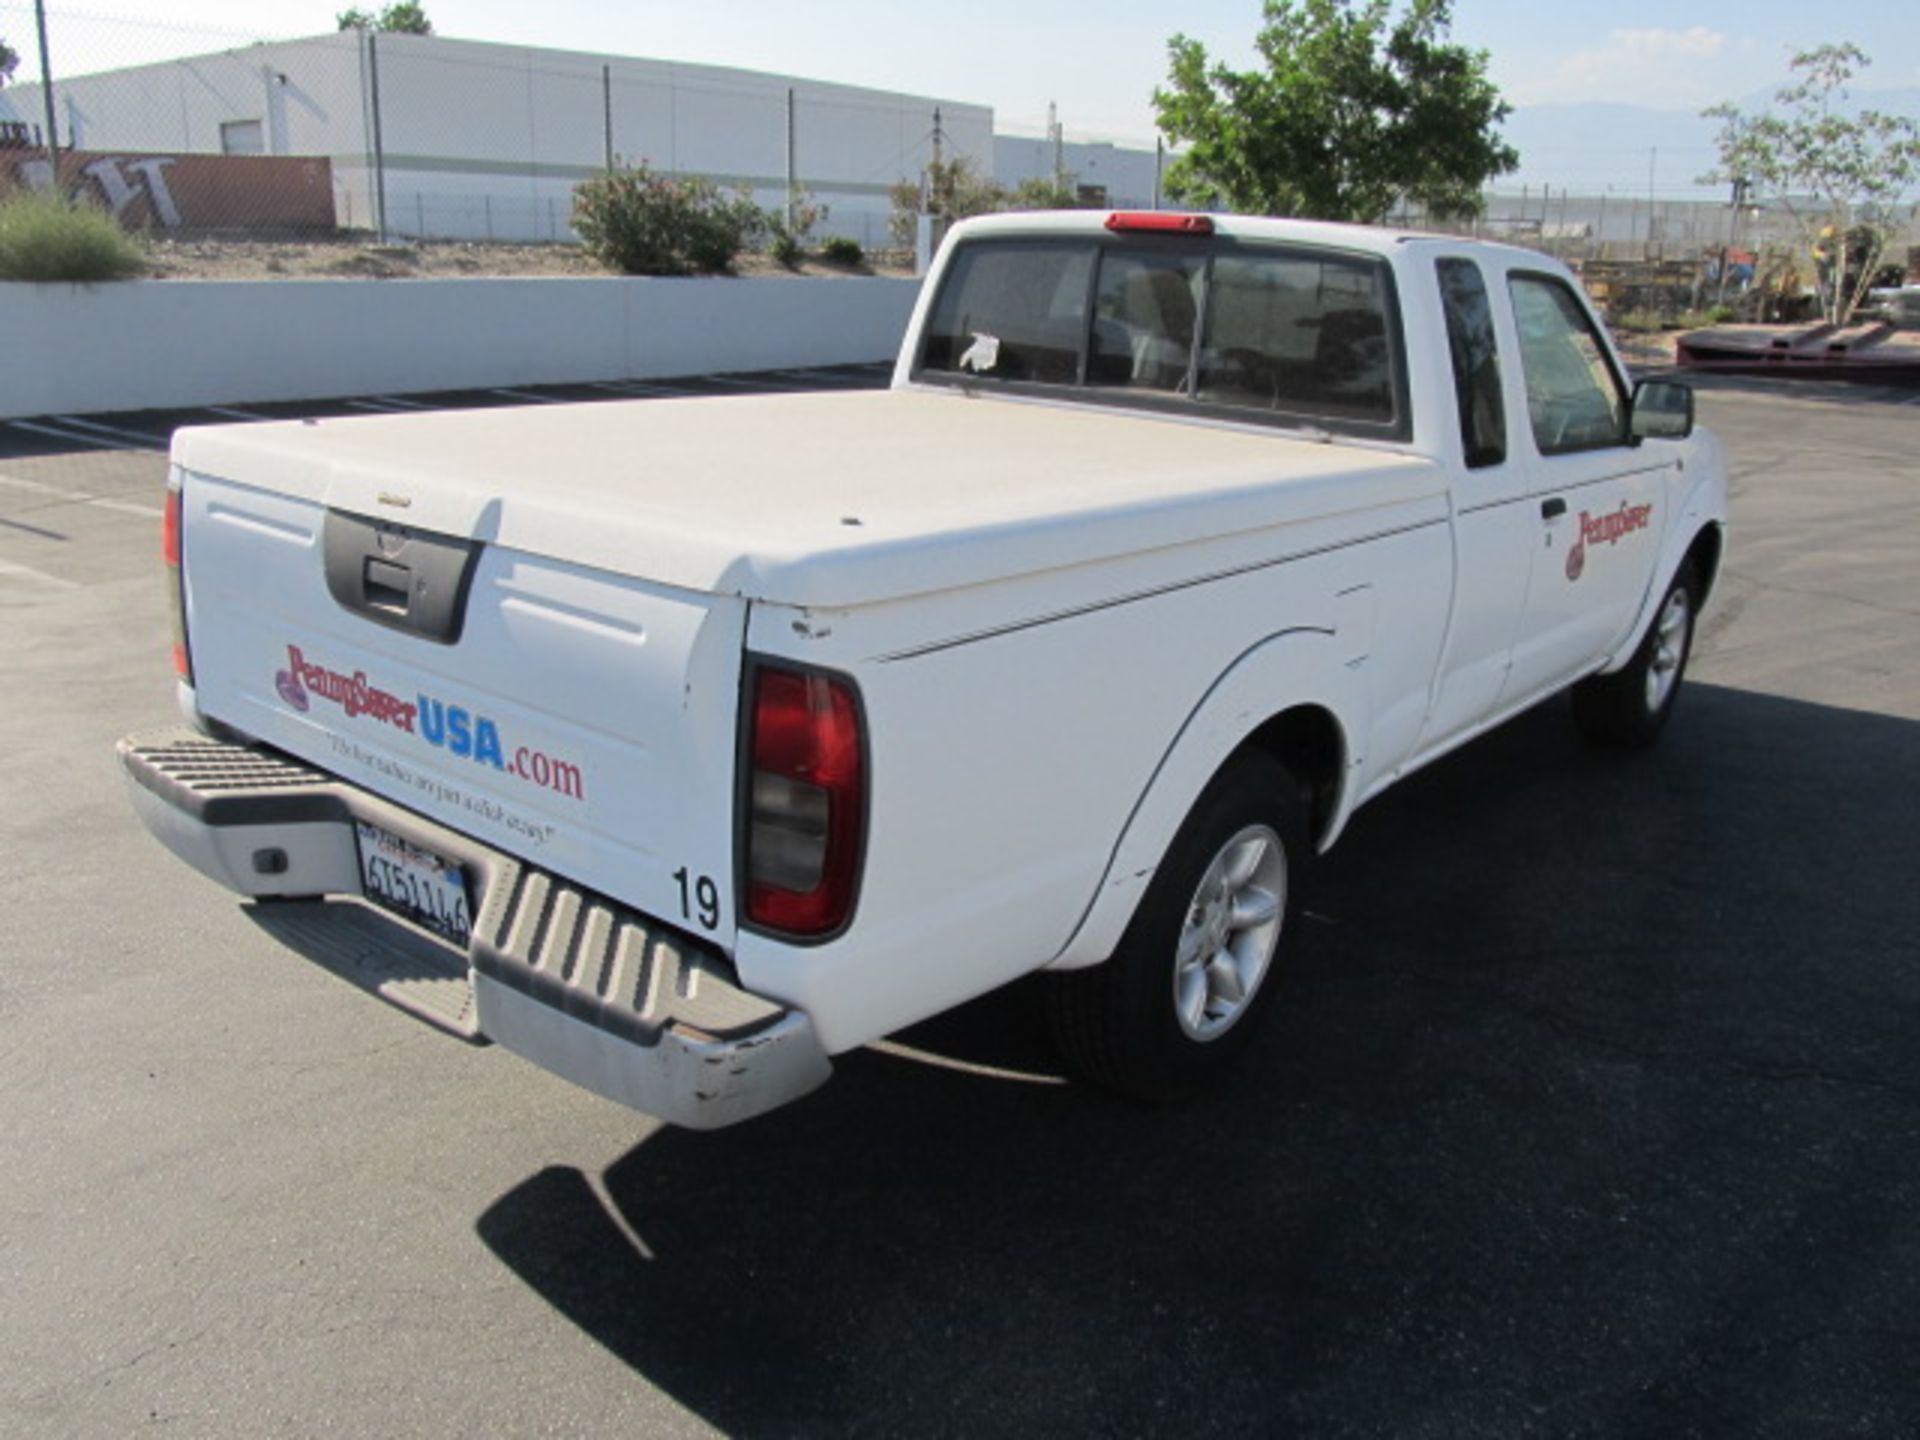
(571, 980)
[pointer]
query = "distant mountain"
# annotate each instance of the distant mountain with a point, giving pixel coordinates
(1593, 147)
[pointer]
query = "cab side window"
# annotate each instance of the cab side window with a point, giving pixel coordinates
(1476, 362)
(1574, 399)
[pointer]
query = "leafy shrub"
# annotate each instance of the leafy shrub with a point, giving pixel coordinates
(45, 236)
(789, 241)
(643, 223)
(842, 250)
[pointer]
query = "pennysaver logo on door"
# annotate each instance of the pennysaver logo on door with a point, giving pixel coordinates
(457, 729)
(1607, 529)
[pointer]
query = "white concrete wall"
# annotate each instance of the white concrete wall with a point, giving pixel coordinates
(150, 344)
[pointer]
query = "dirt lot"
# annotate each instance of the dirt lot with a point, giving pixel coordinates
(440, 259)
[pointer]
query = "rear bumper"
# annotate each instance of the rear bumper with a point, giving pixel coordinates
(580, 985)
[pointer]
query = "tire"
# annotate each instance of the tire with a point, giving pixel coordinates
(1185, 990)
(1628, 709)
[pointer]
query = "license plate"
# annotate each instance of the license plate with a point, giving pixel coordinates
(415, 884)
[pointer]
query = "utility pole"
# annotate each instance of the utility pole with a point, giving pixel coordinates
(1058, 137)
(379, 150)
(46, 92)
(606, 110)
(1159, 166)
(933, 173)
(1653, 155)
(792, 190)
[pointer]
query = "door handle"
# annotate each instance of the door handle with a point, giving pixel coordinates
(1552, 509)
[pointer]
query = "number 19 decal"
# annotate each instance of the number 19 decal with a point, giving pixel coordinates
(699, 891)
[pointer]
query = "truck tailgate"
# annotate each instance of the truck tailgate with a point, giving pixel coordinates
(582, 719)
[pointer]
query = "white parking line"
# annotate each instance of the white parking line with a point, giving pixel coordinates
(379, 407)
(231, 412)
(841, 379)
(636, 387)
(70, 436)
(401, 403)
(27, 572)
(113, 432)
(82, 497)
(741, 383)
(528, 397)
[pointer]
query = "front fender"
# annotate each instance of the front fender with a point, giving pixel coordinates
(1291, 668)
(1701, 503)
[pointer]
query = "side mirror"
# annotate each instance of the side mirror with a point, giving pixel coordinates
(1662, 410)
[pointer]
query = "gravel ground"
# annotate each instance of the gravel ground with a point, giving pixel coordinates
(451, 259)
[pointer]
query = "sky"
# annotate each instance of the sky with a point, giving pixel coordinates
(1098, 60)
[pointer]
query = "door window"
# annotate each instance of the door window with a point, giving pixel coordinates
(1574, 399)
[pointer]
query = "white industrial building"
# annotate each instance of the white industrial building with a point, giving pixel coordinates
(1105, 174)
(468, 140)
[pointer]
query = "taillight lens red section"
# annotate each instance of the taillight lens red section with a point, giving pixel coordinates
(170, 529)
(805, 803)
(1161, 220)
(176, 585)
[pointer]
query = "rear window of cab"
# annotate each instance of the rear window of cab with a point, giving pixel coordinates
(1288, 334)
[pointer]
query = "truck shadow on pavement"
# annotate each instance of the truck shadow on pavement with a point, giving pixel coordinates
(1593, 1106)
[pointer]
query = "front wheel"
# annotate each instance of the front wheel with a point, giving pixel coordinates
(1187, 986)
(1629, 708)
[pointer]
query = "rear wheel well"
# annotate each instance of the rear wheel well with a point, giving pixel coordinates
(1309, 742)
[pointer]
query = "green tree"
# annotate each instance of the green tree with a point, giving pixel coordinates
(9, 58)
(949, 190)
(1355, 112)
(404, 17)
(1047, 192)
(1839, 177)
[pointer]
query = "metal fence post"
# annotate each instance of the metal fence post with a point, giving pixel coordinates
(46, 92)
(791, 201)
(379, 149)
(606, 110)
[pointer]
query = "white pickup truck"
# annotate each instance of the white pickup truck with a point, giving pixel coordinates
(679, 745)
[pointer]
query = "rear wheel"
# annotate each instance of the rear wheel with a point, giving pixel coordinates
(1629, 708)
(1194, 974)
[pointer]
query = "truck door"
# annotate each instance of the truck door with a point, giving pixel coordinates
(1598, 500)
(1493, 519)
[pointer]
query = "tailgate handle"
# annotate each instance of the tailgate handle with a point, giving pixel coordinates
(387, 586)
(398, 576)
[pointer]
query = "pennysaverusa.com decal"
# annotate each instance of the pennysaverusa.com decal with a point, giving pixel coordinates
(457, 729)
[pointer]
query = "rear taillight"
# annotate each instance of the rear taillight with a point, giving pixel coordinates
(805, 801)
(176, 582)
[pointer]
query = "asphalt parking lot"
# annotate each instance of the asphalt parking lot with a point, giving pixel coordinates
(1593, 1109)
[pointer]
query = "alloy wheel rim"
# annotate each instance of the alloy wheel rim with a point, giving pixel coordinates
(1231, 931)
(1669, 649)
